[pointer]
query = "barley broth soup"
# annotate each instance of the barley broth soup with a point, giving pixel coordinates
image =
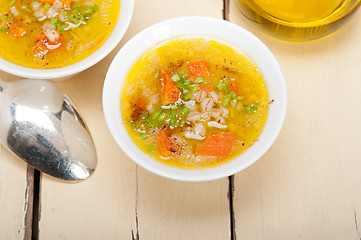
(194, 102)
(54, 33)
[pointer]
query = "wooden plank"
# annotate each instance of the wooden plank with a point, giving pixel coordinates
(16, 192)
(169, 209)
(122, 201)
(307, 185)
(103, 206)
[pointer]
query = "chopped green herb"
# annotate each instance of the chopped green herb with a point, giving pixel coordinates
(173, 122)
(175, 77)
(26, 8)
(185, 110)
(63, 27)
(150, 148)
(143, 136)
(198, 80)
(54, 21)
(162, 117)
(75, 12)
(144, 115)
(4, 30)
(250, 109)
(77, 6)
(228, 90)
(239, 98)
(185, 92)
(221, 86)
(225, 80)
(182, 123)
(194, 87)
(95, 7)
(187, 96)
(225, 101)
(187, 83)
(12, 3)
(155, 115)
(174, 106)
(156, 74)
(76, 21)
(88, 11)
(47, 6)
(65, 13)
(134, 124)
(233, 95)
(183, 75)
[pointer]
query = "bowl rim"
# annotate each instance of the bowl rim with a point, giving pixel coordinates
(173, 28)
(122, 24)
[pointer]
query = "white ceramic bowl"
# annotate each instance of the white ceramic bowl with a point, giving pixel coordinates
(125, 15)
(201, 26)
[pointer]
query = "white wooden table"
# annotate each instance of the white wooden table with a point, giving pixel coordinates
(307, 186)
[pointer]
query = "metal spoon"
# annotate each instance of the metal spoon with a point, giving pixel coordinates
(40, 125)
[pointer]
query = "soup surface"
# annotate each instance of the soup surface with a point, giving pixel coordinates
(194, 102)
(54, 33)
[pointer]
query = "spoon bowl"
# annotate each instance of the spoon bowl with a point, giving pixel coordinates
(42, 126)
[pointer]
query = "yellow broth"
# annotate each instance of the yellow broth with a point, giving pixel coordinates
(247, 108)
(85, 27)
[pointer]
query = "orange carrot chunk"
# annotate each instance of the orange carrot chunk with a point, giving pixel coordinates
(164, 142)
(198, 69)
(206, 87)
(234, 86)
(43, 45)
(217, 145)
(16, 30)
(171, 93)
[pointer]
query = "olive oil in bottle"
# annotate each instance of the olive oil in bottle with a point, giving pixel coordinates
(298, 20)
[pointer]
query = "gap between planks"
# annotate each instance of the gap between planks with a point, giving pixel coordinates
(230, 195)
(32, 204)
